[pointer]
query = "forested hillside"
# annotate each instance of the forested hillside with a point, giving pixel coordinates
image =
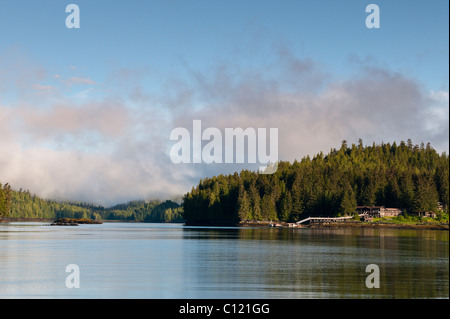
(411, 177)
(23, 204)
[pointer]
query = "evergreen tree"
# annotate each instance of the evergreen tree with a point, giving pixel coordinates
(268, 209)
(285, 209)
(255, 200)
(243, 204)
(348, 202)
(297, 202)
(426, 196)
(407, 192)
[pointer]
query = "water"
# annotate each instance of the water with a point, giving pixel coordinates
(171, 261)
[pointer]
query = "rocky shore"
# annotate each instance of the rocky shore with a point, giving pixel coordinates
(74, 221)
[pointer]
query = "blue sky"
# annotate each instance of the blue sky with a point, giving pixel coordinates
(413, 37)
(136, 69)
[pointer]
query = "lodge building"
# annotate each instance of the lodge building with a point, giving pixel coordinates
(378, 211)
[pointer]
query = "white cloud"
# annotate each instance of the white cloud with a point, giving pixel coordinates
(115, 147)
(440, 96)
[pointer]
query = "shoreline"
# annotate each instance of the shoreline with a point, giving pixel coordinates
(353, 224)
(378, 225)
(49, 220)
(345, 224)
(16, 220)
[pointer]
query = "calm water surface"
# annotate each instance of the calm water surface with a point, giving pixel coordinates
(128, 260)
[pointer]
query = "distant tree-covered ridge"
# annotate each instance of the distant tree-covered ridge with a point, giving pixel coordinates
(23, 204)
(411, 177)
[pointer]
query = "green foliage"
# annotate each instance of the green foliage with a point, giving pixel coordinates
(5, 200)
(348, 202)
(243, 204)
(26, 205)
(412, 178)
(426, 195)
(442, 217)
(23, 204)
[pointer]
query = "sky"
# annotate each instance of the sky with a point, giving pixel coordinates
(86, 113)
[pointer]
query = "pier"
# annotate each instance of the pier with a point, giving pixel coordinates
(325, 219)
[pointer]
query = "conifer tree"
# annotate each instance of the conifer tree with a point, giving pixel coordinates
(243, 204)
(255, 201)
(426, 196)
(348, 202)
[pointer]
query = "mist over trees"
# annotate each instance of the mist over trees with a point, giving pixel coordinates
(411, 177)
(23, 204)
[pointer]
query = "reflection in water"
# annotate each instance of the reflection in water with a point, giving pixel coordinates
(119, 260)
(322, 263)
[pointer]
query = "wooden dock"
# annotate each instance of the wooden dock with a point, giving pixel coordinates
(323, 219)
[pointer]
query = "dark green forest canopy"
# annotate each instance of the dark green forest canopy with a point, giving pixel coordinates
(411, 177)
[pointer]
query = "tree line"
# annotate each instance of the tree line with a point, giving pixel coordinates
(411, 177)
(23, 204)
(5, 199)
